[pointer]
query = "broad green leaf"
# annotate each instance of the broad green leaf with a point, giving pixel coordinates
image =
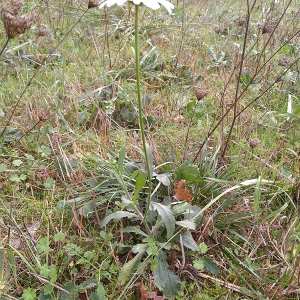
(44, 150)
(3, 167)
(121, 158)
(189, 242)
(98, 294)
(117, 216)
(87, 284)
(257, 197)
(71, 287)
(130, 267)
(43, 245)
(210, 265)
(187, 171)
(15, 178)
(140, 182)
(187, 224)
(49, 183)
(166, 281)
(180, 207)
(167, 216)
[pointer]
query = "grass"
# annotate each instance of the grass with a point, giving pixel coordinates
(64, 170)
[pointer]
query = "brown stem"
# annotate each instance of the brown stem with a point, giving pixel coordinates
(6, 43)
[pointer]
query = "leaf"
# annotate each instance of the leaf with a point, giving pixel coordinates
(187, 171)
(71, 287)
(86, 210)
(17, 162)
(203, 248)
(3, 167)
(15, 178)
(182, 193)
(43, 245)
(210, 265)
(167, 216)
(198, 264)
(150, 159)
(140, 182)
(44, 150)
(257, 197)
(60, 236)
(187, 224)
(87, 284)
(163, 178)
(147, 295)
(121, 158)
(66, 165)
(49, 183)
(29, 294)
(130, 267)
(164, 278)
(99, 294)
(189, 242)
(117, 216)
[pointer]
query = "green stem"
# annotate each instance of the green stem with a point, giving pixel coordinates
(137, 70)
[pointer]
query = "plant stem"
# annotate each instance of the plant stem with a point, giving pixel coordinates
(137, 70)
(6, 43)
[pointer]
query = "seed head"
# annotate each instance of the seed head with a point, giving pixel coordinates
(14, 23)
(93, 3)
(200, 94)
(42, 31)
(254, 142)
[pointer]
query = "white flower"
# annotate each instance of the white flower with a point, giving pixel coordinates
(154, 4)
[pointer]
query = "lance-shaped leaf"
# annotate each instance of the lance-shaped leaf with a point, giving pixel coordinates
(167, 216)
(140, 182)
(189, 242)
(117, 216)
(130, 267)
(187, 224)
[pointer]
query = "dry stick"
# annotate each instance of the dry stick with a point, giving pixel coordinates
(259, 159)
(231, 286)
(37, 70)
(238, 81)
(240, 96)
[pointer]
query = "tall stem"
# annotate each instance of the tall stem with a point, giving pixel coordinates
(137, 70)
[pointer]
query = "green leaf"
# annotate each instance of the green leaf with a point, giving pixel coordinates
(203, 248)
(164, 278)
(187, 171)
(60, 236)
(87, 284)
(99, 294)
(49, 183)
(73, 249)
(167, 216)
(72, 289)
(117, 216)
(198, 264)
(179, 207)
(15, 178)
(17, 162)
(29, 294)
(87, 210)
(43, 245)
(187, 224)
(44, 150)
(140, 182)
(189, 242)
(150, 159)
(130, 267)
(3, 167)
(121, 158)
(66, 165)
(163, 178)
(257, 197)
(210, 265)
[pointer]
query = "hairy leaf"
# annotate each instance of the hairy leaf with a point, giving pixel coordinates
(117, 216)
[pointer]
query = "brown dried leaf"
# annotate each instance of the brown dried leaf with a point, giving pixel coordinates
(182, 193)
(146, 295)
